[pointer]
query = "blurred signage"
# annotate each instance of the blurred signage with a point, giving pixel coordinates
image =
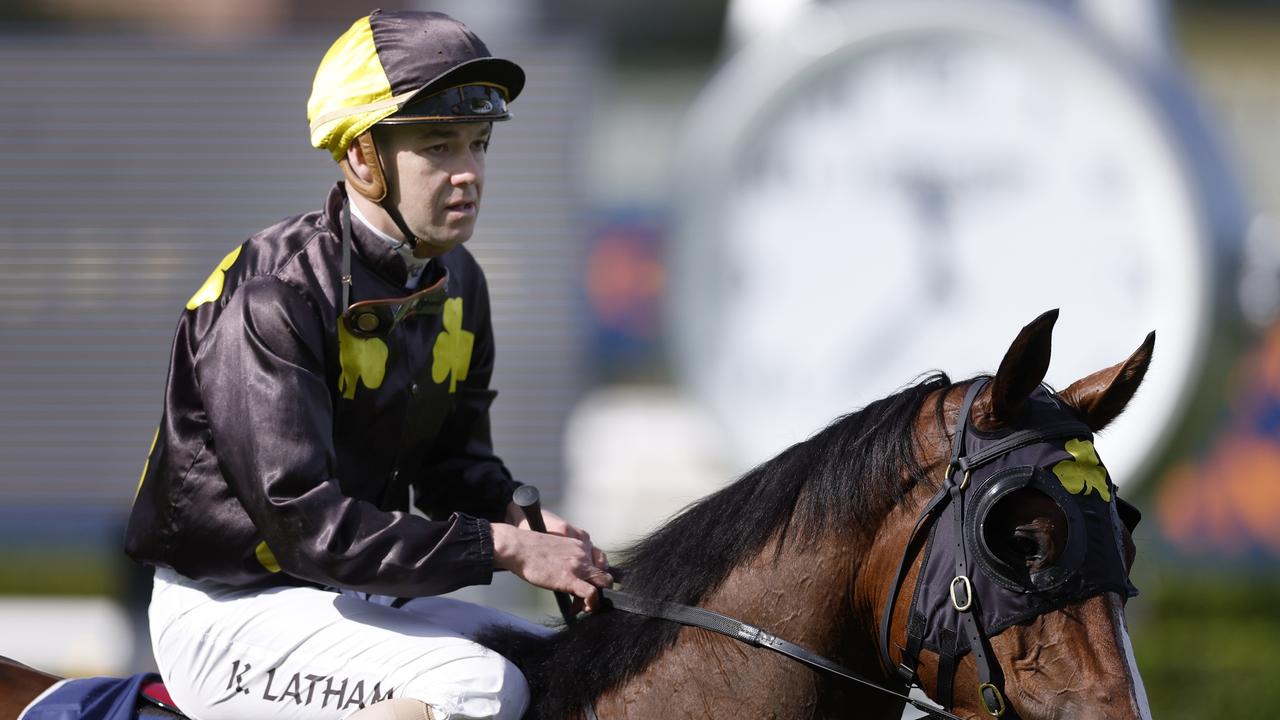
(624, 283)
(1225, 501)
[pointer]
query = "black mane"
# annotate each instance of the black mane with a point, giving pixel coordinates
(845, 477)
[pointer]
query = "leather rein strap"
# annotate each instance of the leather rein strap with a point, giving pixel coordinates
(753, 636)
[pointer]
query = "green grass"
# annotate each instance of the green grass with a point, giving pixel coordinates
(31, 572)
(1209, 644)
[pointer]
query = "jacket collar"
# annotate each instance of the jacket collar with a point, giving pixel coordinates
(373, 251)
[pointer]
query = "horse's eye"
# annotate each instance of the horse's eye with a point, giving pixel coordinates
(1025, 545)
(1030, 546)
(1026, 530)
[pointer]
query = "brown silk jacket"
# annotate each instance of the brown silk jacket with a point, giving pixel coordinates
(285, 452)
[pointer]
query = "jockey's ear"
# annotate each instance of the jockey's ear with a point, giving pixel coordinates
(1102, 396)
(1022, 369)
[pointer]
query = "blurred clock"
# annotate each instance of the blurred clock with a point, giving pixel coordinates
(884, 188)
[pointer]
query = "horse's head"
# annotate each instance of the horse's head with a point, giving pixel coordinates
(1017, 605)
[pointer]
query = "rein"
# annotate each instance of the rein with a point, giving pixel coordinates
(753, 636)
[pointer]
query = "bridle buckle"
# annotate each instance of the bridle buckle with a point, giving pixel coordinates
(997, 701)
(963, 582)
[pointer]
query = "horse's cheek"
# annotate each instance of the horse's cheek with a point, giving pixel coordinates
(1065, 664)
(1037, 663)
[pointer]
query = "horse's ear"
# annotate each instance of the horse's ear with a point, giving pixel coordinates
(1102, 396)
(1023, 368)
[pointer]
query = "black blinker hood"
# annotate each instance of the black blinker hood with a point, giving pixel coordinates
(965, 593)
(1091, 563)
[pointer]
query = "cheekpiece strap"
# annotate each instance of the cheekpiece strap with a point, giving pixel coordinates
(907, 669)
(910, 656)
(946, 668)
(917, 625)
(346, 256)
(962, 424)
(963, 597)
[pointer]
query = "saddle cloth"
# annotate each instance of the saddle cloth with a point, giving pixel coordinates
(101, 698)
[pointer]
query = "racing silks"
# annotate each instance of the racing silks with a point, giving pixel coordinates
(288, 445)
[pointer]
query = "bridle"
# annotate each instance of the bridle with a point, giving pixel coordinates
(957, 479)
(965, 594)
(982, 469)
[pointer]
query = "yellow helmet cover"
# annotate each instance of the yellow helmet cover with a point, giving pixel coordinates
(385, 60)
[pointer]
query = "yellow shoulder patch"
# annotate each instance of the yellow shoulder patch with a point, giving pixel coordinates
(266, 557)
(146, 464)
(212, 288)
(363, 360)
(1084, 472)
(451, 355)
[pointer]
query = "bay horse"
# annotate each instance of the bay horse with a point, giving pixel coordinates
(806, 547)
(831, 545)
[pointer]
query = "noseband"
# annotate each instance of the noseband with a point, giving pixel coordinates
(965, 593)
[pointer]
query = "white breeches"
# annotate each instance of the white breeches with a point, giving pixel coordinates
(228, 653)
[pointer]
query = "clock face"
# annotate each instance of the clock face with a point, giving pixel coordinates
(906, 198)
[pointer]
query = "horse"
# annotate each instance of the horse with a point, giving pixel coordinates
(834, 545)
(806, 546)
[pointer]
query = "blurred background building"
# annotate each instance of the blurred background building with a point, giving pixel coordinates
(143, 139)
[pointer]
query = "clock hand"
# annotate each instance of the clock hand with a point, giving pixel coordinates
(932, 199)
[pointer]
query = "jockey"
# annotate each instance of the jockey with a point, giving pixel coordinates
(333, 368)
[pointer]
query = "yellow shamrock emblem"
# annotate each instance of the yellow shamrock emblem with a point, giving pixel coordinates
(266, 558)
(363, 360)
(212, 288)
(1084, 472)
(451, 356)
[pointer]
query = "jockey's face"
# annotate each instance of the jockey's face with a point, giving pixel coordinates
(435, 177)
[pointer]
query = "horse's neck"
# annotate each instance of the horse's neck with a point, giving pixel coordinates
(19, 685)
(872, 585)
(800, 594)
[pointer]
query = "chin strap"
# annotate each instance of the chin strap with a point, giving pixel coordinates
(394, 213)
(377, 188)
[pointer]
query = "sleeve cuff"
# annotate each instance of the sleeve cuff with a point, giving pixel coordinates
(478, 534)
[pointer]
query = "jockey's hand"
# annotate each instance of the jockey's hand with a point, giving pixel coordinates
(556, 525)
(554, 562)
